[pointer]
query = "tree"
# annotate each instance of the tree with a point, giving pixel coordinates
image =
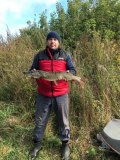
(42, 23)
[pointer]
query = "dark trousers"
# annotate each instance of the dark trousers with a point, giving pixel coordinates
(44, 106)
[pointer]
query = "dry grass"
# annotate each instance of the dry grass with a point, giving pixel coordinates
(90, 109)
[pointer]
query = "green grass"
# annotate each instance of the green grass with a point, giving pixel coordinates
(16, 138)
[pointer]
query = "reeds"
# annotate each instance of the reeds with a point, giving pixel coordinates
(97, 60)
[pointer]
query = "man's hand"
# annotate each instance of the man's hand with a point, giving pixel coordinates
(67, 71)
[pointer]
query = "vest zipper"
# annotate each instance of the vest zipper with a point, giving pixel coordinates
(51, 57)
(51, 81)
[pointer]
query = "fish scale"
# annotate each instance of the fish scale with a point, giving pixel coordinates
(52, 76)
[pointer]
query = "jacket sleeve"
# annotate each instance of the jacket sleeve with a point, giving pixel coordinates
(70, 65)
(35, 64)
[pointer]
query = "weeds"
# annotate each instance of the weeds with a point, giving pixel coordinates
(90, 109)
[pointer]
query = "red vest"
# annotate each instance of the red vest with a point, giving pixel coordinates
(46, 87)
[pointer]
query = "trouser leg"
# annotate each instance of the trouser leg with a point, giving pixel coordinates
(62, 112)
(43, 109)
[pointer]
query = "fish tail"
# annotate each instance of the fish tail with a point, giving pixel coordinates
(78, 79)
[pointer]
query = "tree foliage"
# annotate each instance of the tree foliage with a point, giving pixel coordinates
(80, 18)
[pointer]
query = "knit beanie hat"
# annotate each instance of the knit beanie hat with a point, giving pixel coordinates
(53, 34)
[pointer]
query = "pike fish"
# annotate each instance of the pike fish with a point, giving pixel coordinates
(52, 76)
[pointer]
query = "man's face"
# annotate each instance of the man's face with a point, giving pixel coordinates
(53, 43)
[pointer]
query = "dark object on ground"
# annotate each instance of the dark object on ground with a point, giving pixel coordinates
(65, 151)
(34, 151)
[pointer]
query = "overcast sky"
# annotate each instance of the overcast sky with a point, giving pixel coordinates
(15, 13)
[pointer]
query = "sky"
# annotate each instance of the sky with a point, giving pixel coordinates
(14, 14)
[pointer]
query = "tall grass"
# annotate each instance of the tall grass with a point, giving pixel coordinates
(15, 57)
(99, 61)
(90, 108)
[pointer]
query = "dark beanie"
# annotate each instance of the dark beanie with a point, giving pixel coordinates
(53, 34)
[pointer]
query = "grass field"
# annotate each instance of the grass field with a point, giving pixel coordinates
(16, 128)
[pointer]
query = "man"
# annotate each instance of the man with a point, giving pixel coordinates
(51, 95)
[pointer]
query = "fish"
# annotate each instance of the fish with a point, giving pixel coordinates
(52, 76)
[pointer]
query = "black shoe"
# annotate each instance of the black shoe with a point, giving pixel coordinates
(65, 151)
(34, 151)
